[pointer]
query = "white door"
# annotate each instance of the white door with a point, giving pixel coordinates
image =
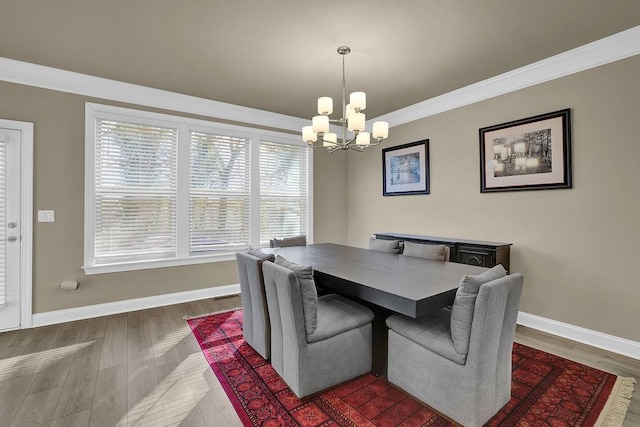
(10, 236)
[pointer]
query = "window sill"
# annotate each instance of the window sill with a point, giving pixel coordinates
(159, 263)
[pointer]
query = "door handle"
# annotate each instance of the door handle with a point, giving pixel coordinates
(12, 239)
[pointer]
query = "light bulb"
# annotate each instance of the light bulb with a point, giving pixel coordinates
(380, 130)
(320, 124)
(363, 138)
(308, 135)
(356, 122)
(358, 100)
(329, 139)
(325, 105)
(349, 111)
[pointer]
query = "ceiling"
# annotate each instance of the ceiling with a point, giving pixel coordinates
(280, 55)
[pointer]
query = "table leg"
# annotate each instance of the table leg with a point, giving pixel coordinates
(379, 340)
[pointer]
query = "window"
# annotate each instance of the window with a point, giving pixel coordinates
(283, 191)
(219, 191)
(165, 190)
(135, 191)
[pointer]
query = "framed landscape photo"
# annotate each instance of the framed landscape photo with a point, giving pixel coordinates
(405, 169)
(527, 154)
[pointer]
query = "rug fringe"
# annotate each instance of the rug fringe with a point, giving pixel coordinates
(615, 410)
(197, 316)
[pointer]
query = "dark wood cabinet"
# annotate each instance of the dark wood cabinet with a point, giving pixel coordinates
(473, 252)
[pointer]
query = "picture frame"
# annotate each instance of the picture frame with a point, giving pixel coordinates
(405, 169)
(527, 154)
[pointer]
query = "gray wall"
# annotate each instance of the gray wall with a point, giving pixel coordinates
(330, 196)
(576, 247)
(59, 184)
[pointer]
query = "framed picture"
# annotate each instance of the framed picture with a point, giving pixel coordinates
(527, 154)
(405, 169)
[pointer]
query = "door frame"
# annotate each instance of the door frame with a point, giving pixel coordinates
(26, 217)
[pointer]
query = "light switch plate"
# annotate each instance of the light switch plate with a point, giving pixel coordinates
(46, 216)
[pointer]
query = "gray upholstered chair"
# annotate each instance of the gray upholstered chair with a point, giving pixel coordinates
(255, 317)
(383, 245)
(469, 386)
(314, 344)
(300, 240)
(427, 251)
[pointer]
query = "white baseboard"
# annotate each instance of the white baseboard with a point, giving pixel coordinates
(607, 342)
(97, 310)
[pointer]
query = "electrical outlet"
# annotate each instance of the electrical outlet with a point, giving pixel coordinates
(46, 216)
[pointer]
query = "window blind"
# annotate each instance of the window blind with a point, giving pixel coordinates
(167, 190)
(135, 191)
(3, 221)
(283, 190)
(219, 192)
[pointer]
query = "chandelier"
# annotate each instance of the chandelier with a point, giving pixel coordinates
(352, 121)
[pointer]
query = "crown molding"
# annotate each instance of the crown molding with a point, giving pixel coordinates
(41, 76)
(618, 46)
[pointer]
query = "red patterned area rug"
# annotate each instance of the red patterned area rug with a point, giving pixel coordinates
(547, 390)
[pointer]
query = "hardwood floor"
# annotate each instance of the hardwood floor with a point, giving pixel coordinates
(145, 368)
(142, 368)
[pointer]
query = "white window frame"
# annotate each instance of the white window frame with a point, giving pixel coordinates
(309, 196)
(184, 125)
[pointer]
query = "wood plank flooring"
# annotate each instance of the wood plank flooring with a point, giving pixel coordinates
(142, 368)
(145, 368)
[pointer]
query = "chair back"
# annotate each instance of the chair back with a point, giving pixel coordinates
(493, 329)
(300, 240)
(284, 301)
(436, 252)
(256, 324)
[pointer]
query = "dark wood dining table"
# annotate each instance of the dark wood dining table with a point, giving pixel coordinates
(387, 283)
